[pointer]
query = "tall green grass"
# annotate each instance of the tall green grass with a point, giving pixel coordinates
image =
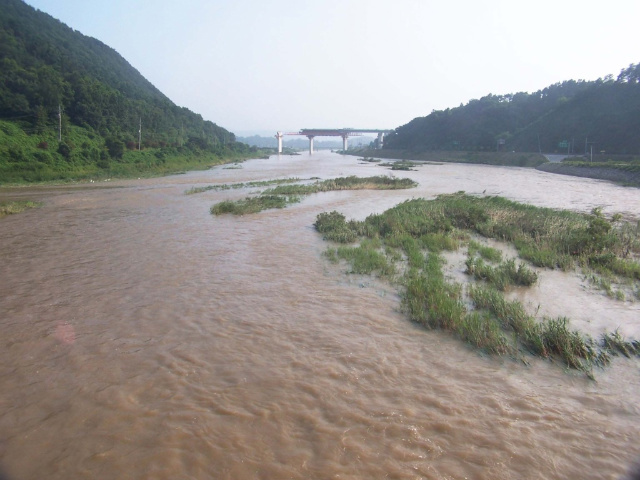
(253, 204)
(412, 233)
(502, 276)
(291, 194)
(545, 237)
(227, 186)
(11, 208)
(352, 182)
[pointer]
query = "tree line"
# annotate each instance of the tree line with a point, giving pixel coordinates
(567, 117)
(48, 71)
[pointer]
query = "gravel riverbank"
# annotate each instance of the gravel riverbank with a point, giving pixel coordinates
(611, 174)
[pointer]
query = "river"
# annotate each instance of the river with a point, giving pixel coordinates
(143, 337)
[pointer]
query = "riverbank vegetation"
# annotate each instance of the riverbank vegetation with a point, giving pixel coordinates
(253, 204)
(283, 195)
(621, 169)
(510, 159)
(10, 208)
(567, 117)
(233, 186)
(405, 244)
(84, 154)
(626, 163)
(71, 108)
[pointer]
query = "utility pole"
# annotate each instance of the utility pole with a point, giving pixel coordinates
(140, 135)
(59, 123)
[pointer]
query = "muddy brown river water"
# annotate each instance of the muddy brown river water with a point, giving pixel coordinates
(144, 338)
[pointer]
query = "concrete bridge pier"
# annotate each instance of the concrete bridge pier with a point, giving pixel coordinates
(380, 139)
(344, 142)
(310, 137)
(279, 137)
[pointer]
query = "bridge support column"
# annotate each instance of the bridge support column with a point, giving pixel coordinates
(380, 140)
(279, 137)
(310, 137)
(344, 142)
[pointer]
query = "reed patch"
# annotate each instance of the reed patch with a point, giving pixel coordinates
(412, 234)
(11, 208)
(233, 186)
(283, 195)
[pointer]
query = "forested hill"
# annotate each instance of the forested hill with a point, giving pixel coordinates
(565, 117)
(46, 66)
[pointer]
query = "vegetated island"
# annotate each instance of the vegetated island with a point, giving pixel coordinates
(405, 245)
(19, 206)
(283, 195)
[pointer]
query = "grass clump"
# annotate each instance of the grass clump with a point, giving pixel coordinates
(352, 182)
(549, 338)
(252, 204)
(437, 242)
(617, 344)
(283, 195)
(504, 275)
(488, 253)
(227, 186)
(365, 259)
(11, 208)
(335, 228)
(545, 237)
(435, 303)
(482, 331)
(403, 165)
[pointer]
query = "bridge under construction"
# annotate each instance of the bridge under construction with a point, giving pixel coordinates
(345, 133)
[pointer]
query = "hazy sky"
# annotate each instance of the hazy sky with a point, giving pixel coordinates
(267, 65)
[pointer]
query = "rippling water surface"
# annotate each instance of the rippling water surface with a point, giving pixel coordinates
(143, 337)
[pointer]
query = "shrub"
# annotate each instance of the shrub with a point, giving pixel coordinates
(64, 150)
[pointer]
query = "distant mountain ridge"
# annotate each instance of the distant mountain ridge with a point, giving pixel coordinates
(568, 117)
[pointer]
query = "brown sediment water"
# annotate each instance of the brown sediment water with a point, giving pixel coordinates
(143, 337)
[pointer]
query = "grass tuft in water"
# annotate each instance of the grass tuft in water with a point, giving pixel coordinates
(365, 259)
(282, 195)
(227, 186)
(502, 276)
(616, 344)
(11, 208)
(379, 182)
(412, 233)
(488, 253)
(253, 204)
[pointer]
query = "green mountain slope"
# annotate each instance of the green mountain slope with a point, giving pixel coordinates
(56, 80)
(565, 117)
